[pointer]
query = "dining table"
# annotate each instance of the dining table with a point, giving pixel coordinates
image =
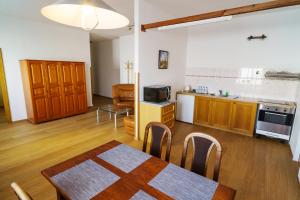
(117, 171)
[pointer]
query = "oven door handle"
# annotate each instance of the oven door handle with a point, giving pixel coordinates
(283, 115)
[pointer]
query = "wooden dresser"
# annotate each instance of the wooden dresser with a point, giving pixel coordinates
(53, 89)
(152, 112)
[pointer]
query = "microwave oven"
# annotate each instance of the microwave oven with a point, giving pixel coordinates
(157, 93)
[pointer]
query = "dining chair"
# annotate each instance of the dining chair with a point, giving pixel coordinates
(21, 194)
(159, 133)
(202, 146)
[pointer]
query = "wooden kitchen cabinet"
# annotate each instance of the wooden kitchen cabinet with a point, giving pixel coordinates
(53, 89)
(243, 117)
(202, 110)
(225, 114)
(220, 113)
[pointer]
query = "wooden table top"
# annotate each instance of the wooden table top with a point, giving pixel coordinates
(129, 183)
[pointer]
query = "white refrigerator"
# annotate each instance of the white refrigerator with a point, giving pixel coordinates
(185, 108)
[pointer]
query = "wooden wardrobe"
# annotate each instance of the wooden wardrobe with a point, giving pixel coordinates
(53, 89)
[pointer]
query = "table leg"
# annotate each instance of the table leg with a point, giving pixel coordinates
(115, 120)
(110, 115)
(59, 196)
(127, 113)
(97, 113)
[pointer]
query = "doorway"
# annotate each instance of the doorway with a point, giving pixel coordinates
(5, 115)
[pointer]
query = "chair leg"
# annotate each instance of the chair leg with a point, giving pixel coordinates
(59, 196)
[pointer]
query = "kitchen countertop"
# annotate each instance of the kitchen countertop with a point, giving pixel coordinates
(234, 98)
(162, 104)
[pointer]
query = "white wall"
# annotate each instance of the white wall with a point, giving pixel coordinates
(110, 58)
(225, 44)
(220, 53)
(126, 54)
(151, 42)
(22, 39)
(107, 66)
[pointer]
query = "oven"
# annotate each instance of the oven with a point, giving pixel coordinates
(275, 119)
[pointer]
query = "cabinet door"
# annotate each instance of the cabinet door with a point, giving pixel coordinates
(39, 90)
(80, 87)
(53, 88)
(68, 90)
(202, 110)
(243, 117)
(220, 114)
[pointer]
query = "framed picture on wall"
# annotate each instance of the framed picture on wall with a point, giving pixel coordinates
(163, 59)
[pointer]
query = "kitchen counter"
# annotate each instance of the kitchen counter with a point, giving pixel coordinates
(162, 104)
(235, 98)
(230, 97)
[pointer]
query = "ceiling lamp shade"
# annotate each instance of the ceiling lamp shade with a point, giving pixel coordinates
(86, 14)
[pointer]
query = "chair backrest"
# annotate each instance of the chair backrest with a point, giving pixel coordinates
(159, 132)
(21, 194)
(124, 92)
(202, 146)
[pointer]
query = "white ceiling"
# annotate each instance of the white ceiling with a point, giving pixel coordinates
(30, 9)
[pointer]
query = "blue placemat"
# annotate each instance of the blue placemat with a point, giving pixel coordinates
(124, 157)
(84, 181)
(179, 183)
(141, 195)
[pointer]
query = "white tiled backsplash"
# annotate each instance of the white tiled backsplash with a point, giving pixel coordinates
(247, 82)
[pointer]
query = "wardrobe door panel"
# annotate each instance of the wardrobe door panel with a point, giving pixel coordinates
(68, 90)
(40, 110)
(39, 90)
(80, 87)
(54, 95)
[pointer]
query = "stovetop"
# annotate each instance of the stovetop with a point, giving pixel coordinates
(277, 103)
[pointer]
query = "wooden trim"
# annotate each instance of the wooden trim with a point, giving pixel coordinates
(4, 90)
(137, 133)
(223, 13)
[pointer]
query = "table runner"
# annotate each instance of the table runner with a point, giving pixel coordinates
(124, 157)
(180, 184)
(141, 195)
(85, 180)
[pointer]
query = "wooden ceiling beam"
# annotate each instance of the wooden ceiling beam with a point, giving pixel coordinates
(223, 13)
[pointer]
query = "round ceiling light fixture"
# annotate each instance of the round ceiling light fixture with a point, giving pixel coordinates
(86, 14)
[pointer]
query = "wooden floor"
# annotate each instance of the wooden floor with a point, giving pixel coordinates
(257, 168)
